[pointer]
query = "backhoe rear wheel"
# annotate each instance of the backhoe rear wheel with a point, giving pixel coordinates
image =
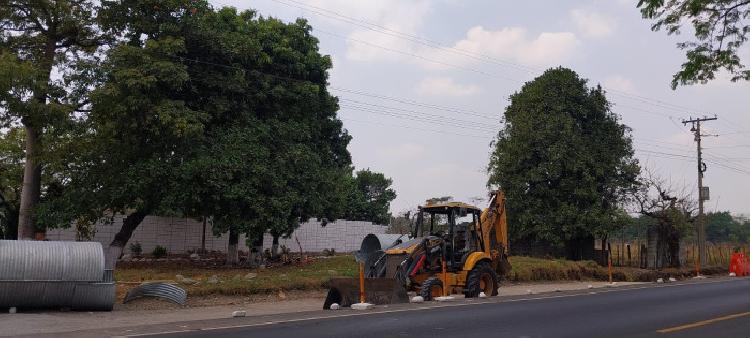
(482, 278)
(431, 288)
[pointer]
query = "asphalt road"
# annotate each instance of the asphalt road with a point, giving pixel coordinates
(705, 309)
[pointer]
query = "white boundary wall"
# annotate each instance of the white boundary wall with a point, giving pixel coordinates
(180, 235)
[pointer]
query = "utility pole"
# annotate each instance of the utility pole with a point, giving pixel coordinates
(700, 227)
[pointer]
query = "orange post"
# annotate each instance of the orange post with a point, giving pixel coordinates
(698, 267)
(445, 280)
(361, 282)
(609, 267)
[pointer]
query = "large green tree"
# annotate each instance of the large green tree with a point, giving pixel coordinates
(275, 153)
(722, 227)
(144, 122)
(45, 57)
(720, 27)
(564, 161)
(370, 197)
(208, 113)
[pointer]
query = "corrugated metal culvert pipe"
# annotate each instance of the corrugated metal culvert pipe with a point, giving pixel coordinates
(46, 274)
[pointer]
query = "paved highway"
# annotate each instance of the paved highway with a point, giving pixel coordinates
(706, 309)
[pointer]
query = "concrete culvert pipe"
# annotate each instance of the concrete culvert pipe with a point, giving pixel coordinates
(373, 247)
(376, 242)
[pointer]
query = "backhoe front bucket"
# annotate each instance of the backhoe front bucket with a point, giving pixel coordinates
(345, 292)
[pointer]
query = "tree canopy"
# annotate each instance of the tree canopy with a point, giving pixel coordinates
(563, 159)
(46, 59)
(720, 28)
(371, 197)
(209, 113)
(11, 174)
(722, 227)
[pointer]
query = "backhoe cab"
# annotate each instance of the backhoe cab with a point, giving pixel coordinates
(456, 248)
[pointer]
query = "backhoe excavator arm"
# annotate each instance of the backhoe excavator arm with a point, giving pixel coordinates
(492, 225)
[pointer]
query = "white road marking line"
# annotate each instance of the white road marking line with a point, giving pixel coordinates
(151, 334)
(344, 315)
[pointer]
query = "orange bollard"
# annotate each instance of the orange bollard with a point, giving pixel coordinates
(361, 282)
(698, 267)
(445, 280)
(738, 264)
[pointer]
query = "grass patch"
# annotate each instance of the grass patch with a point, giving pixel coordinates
(315, 275)
(232, 282)
(529, 269)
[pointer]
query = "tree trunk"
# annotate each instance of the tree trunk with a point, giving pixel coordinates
(32, 171)
(674, 248)
(628, 248)
(258, 248)
(129, 224)
(203, 236)
(275, 247)
(232, 254)
(32, 184)
(255, 259)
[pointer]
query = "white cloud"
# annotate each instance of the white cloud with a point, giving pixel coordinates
(620, 83)
(405, 13)
(389, 18)
(400, 20)
(592, 24)
(444, 86)
(514, 44)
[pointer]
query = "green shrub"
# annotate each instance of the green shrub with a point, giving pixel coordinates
(136, 249)
(159, 251)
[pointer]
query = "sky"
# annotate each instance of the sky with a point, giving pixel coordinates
(423, 85)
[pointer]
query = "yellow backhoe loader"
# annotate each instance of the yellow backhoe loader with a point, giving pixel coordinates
(456, 248)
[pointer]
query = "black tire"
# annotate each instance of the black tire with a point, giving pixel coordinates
(431, 287)
(482, 278)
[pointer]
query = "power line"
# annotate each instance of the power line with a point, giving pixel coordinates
(418, 56)
(692, 158)
(481, 72)
(417, 103)
(449, 119)
(415, 118)
(435, 119)
(471, 54)
(287, 78)
(414, 128)
(729, 146)
(441, 46)
(405, 36)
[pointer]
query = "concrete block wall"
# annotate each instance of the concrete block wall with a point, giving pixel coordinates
(342, 235)
(180, 235)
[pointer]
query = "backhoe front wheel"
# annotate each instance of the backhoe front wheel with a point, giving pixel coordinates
(482, 278)
(431, 288)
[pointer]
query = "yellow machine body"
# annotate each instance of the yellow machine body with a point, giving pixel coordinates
(458, 258)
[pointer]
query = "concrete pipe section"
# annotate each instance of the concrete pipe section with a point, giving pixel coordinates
(372, 250)
(380, 242)
(48, 274)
